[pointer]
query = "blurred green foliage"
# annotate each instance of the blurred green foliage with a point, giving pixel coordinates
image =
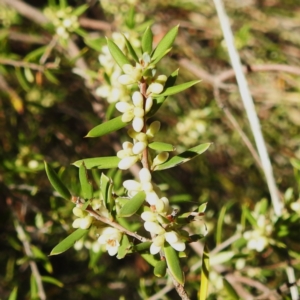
(49, 103)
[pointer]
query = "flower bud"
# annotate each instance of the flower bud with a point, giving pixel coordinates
(139, 147)
(153, 129)
(149, 103)
(160, 158)
(155, 88)
(127, 162)
(123, 106)
(131, 185)
(137, 99)
(127, 116)
(86, 222)
(138, 112)
(138, 124)
(78, 212)
(128, 69)
(145, 175)
(126, 79)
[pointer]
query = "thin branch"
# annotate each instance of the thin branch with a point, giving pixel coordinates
(25, 64)
(161, 293)
(90, 210)
(94, 24)
(254, 123)
(236, 125)
(34, 269)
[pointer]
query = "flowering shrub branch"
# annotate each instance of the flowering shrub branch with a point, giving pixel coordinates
(106, 211)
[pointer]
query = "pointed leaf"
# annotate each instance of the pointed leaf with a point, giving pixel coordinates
(142, 246)
(166, 43)
(132, 205)
(173, 263)
(163, 54)
(124, 247)
(107, 127)
(249, 217)
(147, 41)
(130, 20)
(52, 281)
(161, 146)
(107, 162)
(204, 274)
(69, 241)
(202, 207)
(130, 49)
(230, 290)
(176, 89)
(183, 157)
(14, 294)
(157, 102)
(106, 188)
(117, 54)
(160, 269)
(80, 10)
(57, 183)
(86, 187)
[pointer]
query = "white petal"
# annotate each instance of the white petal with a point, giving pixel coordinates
(153, 227)
(127, 162)
(148, 216)
(171, 237)
(154, 249)
(123, 106)
(149, 103)
(112, 250)
(138, 124)
(145, 175)
(178, 246)
(137, 99)
(132, 185)
(139, 147)
(126, 79)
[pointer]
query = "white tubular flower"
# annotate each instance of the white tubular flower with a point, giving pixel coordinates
(174, 240)
(84, 219)
(153, 227)
(110, 237)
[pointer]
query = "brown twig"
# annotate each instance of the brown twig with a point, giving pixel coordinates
(95, 24)
(25, 64)
(111, 223)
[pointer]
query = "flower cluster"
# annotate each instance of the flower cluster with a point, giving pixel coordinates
(155, 220)
(63, 20)
(258, 239)
(112, 91)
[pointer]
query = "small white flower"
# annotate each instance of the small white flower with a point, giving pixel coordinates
(174, 240)
(84, 219)
(110, 237)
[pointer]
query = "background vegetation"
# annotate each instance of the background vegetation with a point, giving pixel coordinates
(50, 100)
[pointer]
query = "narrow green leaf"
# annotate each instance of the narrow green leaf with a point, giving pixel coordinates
(95, 43)
(166, 43)
(202, 207)
(161, 146)
(105, 183)
(107, 162)
(80, 10)
(52, 280)
(57, 183)
(86, 186)
(124, 247)
(176, 89)
(249, 217)
(69, 241)
(14, 294)
(183, 157)
(142, 246)
(107, 127)
(147, 41)
(51, 77)
(117, 54)
(130, 49)
(204, 274)
(157, 102)
(160, 269)
(173, 263)
(150, 259)
(230, 290)
(130, 20)
(132, 205)
(163, 54)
